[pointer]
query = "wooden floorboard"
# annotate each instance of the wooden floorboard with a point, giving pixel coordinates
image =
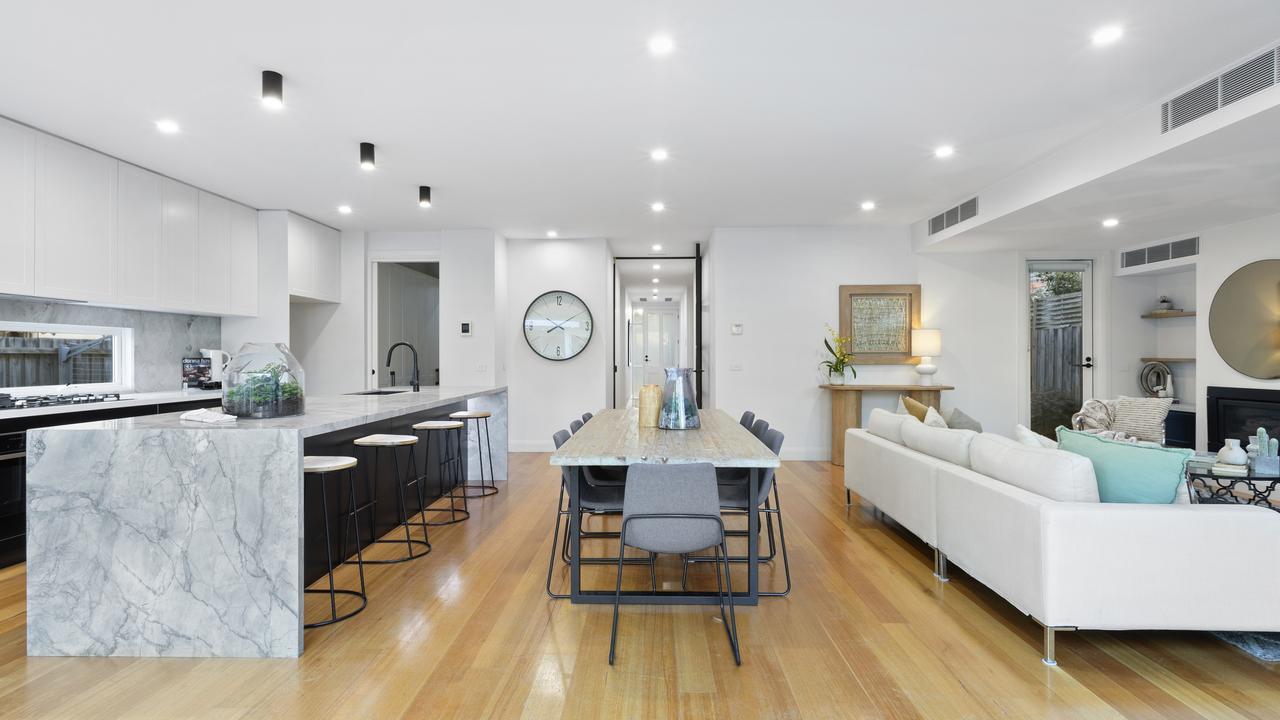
(467, 632)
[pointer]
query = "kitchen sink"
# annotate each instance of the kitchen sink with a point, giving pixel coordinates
(377, 392)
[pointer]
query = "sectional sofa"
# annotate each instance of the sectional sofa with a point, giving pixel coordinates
(1027, 523)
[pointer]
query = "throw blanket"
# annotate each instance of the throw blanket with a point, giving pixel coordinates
(1094, 415)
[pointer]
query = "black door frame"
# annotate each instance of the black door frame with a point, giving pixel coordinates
(696, 257)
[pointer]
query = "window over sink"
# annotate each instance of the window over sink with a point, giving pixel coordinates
(49, 358)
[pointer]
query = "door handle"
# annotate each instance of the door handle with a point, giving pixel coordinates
(1088, 363)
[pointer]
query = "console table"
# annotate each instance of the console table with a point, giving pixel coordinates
(846, 407)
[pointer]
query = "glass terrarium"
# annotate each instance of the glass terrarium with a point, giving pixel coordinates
(263, 380)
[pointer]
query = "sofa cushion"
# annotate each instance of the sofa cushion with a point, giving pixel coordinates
(1130, 473)
(914, 408)
(1027, 436)
(933, 418)
(942, 443)
(1054, 474)
(887, 425)
(961, 420)
(1142, 418)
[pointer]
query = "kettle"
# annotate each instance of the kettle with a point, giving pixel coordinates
(218, 360)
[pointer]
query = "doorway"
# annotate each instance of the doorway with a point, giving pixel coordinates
(408, 310)
(657, 325)
(1060, 341)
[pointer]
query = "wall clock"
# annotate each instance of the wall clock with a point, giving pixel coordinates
(557, 325)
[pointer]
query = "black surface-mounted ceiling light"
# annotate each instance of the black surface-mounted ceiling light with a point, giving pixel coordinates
(424, 196)
(366, 156)
(272, 90)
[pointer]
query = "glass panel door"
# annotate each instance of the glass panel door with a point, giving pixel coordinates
(1060, 341)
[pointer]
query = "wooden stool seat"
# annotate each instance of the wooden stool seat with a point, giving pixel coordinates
(326, 463)
(470, 414)
(440, 425)
(386, 440)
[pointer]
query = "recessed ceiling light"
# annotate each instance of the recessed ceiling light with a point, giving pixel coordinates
(659, 154)
(868, 205)
(655, 280)
(424, 196)
(367, 161)
(660, 45)
(344, 209)
(657, 266)
(168, 127)
(657, 248)
(1110, 223)
(944, 151)
(272, 90)
(658, 207)
(1107, 35)
(553, 234)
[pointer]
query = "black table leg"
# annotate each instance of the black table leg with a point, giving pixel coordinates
(753, 534)
(575, 536)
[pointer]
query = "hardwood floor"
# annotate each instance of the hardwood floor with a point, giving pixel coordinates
(468, 633)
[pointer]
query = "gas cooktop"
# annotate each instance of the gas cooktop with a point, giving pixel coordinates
(8, 402)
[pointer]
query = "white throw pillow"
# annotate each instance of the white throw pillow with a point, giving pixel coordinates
(942, 443)
(1054, 474)
(1031, 438)
(1142, 418)
(933, 418)
(887, 425)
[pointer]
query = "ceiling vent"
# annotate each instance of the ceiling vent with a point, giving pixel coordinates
(1159, 253)
(957, 214)
(1235, 84)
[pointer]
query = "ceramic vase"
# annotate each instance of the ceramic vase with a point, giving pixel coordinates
(848, 376)
(835, 378)
(1232, 454)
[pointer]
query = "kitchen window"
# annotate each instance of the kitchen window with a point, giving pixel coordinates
(47, 358)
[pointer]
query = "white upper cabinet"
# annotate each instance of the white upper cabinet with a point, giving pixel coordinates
(213, 266)
(244, 260)
(315, 261)
(75, 221)
(178, 245)
(17, 208)
(139, 232)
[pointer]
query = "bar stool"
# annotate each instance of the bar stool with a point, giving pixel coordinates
(321, 466)
(375, 444)
(485, 489)
(449, 460)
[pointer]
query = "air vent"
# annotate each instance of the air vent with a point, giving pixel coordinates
(1160, 253)
(957, 214)
(1239, 82)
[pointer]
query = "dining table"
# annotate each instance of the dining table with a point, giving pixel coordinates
(615, 438)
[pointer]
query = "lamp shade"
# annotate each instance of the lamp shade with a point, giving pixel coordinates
(926, 342)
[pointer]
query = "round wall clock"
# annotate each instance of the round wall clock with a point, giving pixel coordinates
(557, 325)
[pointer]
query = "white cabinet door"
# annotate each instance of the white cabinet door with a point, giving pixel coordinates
(75, 221)
(139, 223)
(213, 267)
(244, 261)
(17, 208)
(329, 265)
(178, 246)
(315, 261)
(302, 258)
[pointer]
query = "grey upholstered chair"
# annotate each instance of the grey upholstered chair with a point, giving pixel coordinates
(759, 428)
(734, 498)
(675, 509)
(586, 417)
(575, 426)
(748, 417)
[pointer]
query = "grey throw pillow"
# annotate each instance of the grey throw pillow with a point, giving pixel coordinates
(957, 420)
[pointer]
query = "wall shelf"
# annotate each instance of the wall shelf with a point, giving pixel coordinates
(1170, 314)
(1168, 360)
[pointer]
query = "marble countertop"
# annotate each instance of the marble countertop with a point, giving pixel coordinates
(126, 400)
(324, 413)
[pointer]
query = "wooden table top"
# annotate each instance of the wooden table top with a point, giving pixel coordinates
(614, 437)
(887, 388)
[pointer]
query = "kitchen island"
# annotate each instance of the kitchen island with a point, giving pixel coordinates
(155, 536)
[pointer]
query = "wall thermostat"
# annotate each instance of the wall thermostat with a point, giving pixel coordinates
(466, 329)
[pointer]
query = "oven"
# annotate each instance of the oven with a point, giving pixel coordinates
(13, 498)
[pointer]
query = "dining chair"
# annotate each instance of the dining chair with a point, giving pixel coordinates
(586, 417)
(675, 509)
(575, 426)
(748, 417)
(759, 428)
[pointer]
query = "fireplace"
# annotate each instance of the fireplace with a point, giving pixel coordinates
(1239, 412)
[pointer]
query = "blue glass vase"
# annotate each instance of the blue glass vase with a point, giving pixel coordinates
(679, 404)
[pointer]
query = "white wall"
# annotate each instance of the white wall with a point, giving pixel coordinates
(1176, 337)
(328, 338)
(1223, 250)
(1132, 337)
(546, 395)
(272, 322)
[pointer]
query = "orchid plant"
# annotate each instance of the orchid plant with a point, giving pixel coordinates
(840, 358)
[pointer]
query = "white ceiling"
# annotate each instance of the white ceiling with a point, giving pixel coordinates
(675, 277)
(527, 116)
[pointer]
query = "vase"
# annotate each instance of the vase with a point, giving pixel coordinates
(263, 380)
(1232, 454)
(679, 405)
(835, 378)
(848, 376)
(650, 405)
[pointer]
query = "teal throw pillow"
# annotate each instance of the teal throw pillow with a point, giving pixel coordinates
(1129, 473)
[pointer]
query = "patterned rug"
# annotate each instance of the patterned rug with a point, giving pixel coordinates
(1264, 646)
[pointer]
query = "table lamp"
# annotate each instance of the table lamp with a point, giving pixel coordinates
(927, 344)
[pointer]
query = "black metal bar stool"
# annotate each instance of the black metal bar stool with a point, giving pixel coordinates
(320, 466)
(449, 458)
(413, 546)
(483, 489)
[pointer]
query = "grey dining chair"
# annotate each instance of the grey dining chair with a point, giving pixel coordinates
(586, 417)
(575, 426)
(759, 428)
(748, 417)
(675, 509)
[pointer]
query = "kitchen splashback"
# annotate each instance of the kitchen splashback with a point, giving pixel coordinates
(160, 340)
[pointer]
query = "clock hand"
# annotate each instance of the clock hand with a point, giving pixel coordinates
(561, 325)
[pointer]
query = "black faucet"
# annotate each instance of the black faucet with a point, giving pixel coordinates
(414, 379)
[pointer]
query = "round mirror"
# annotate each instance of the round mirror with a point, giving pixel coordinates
(1244, 320)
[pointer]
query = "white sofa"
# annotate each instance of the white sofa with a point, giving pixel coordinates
(1038, 536)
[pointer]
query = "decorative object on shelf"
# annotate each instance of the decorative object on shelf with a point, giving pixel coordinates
(557, 325)
(1232, 454)
(1244, 320)
(1164, 305)
(264, 380)
(1156, 380)
(1265, 454)
(679, 410)
(840, 363)
(650, 405)
(878, 320)
(927, 344)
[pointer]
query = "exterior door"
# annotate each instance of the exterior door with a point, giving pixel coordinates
(1060, 346)
(661, 344)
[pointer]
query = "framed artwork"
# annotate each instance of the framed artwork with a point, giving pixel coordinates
(879, 319)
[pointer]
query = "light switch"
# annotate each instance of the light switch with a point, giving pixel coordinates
(735, 329)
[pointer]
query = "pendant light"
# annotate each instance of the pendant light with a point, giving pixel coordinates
(366, 156)
(424, 196)
(272, 90)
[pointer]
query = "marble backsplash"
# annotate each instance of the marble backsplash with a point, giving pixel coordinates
(160, 340)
